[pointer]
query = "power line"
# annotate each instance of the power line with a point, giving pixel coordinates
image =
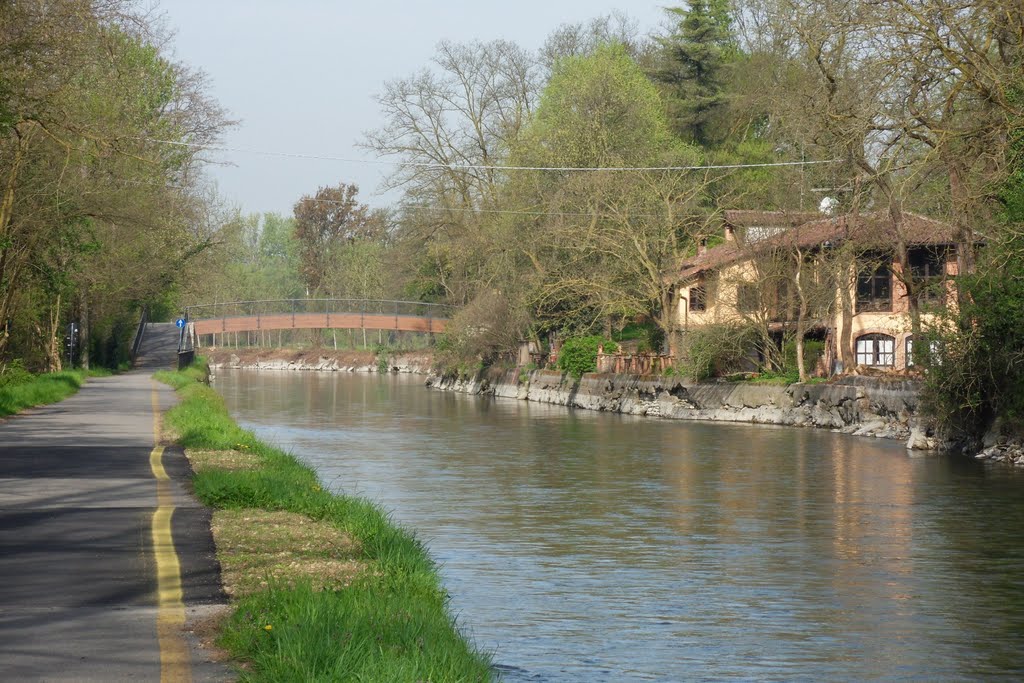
(482, 167)
(470, 209)
(511, 211)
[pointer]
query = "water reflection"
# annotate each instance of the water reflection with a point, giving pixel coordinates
(592, 547)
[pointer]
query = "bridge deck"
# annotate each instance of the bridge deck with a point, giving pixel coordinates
(305, 321)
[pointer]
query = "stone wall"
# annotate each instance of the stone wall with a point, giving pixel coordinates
(856, 405)
(404, 363)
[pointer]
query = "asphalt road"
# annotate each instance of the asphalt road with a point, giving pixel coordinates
(78, 581)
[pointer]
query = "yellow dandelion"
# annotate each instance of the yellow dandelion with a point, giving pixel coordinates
(268, 627)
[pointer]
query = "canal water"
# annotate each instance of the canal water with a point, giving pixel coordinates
(582, 546)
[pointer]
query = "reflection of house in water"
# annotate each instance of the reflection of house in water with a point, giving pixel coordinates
(837, 516)
(731, 485)
(851, 259)
(873, 500)
(873, 582)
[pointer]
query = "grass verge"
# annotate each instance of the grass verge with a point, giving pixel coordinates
(43, 389)
(330, 588)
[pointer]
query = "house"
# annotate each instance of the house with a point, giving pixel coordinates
(854, 291)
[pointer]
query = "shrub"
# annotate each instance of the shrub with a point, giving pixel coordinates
(484, 329)
(718, 349)
(976, 375)
(579, 354)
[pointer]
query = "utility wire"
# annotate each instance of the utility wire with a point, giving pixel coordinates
(470, 209)
(482, 167)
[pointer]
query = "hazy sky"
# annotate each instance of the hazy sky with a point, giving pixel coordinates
(301, 76)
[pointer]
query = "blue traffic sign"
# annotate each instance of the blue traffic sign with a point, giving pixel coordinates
(179, 323)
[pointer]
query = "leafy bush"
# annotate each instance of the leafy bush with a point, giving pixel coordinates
(524, 372)
(976, 375)
(579, 354)
(486, 328)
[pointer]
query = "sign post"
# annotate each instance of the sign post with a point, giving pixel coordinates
(180, 324)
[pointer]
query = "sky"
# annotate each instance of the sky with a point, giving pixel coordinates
(301, 76)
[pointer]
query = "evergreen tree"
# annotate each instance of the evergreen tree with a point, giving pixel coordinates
(692, 68)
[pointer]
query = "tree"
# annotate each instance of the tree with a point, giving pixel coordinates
(456, 123)
(692, 67)
(584, 38)
(975, 378)
(87, 193)
(454, 126)
(324, 224)
(601, 241)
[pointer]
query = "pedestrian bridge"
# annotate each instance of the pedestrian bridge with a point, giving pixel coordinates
(311, 314)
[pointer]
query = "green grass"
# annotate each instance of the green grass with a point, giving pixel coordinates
(38, 390)
(392, 624)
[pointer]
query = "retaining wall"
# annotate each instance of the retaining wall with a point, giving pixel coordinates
(856, 405)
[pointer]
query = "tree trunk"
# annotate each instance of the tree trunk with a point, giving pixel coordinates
(846, 355)
(83, 332)
(53, 346)
(801, 317)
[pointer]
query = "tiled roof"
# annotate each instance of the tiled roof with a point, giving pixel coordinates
(875, 230)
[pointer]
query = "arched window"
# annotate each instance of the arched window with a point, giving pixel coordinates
(876, 350)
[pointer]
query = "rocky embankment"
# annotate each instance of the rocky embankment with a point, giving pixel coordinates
(863, 406)
(856, 405)
(319, 360)
(1003, 443)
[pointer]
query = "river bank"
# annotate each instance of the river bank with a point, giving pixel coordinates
(860, 406)
(325, 585)
(880, 407)
(321, 360)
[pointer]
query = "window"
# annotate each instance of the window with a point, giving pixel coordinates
(874, 288)
(747, 299)
(928, 268)
(698, 298)
(933, 352)
(876, 350)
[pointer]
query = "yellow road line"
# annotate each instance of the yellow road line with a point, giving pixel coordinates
(175, 661)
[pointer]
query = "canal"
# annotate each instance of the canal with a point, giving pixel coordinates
(582, 546)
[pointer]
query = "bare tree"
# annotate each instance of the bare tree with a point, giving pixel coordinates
(449, 122)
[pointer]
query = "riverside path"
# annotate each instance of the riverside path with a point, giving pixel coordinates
(104, 556)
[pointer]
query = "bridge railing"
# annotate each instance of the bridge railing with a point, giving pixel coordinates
(231, 309)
